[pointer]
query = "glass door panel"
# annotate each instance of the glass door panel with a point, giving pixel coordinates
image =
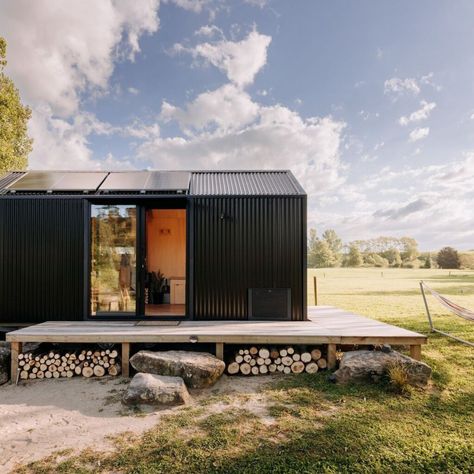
(113, 259)
(165, 287)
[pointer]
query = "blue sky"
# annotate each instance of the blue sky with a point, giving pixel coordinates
(370, 103)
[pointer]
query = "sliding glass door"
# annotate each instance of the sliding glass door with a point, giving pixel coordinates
(113, 279)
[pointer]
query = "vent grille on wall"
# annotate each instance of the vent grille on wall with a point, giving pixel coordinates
(270, 303)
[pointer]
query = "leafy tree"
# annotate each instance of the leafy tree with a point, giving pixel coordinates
(312, 241)
(410, 249)
(353, 257)
(393, 257)
(428, 262)
(15, 145)
(375, 260)
(323, 256)
(334, 242)
(448, 258)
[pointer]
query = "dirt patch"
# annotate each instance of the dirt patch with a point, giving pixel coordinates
(45, 416)
(40, 417)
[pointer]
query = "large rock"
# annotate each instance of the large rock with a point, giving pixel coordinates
(371, 365)
(197, 369)
(4, 362)
(150, 389)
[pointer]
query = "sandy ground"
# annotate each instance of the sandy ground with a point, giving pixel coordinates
(40, 417)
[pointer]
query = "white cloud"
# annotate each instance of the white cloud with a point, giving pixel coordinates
(133, 90)
(58, 52)
(278, 138)
(418, 134)
(59, 144)
(239, 60)
(65, 51)
(227, 107)
(428, 80)
(433, 205)
(195, 6)
(257, 3)
(209, 31)
(395, 85)
(139, 130)
(365, 115)
(421, 114)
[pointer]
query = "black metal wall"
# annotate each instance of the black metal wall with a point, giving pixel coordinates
(238, 243)
(41, 260)
(247, 242)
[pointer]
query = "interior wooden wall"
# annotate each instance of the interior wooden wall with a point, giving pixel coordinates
(166, 241)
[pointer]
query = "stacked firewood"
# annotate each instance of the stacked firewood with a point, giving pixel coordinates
(53, 364)
(263, 360)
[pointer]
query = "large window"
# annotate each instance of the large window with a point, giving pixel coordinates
(113, 259)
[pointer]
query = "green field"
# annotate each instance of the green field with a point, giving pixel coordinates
(393, 295)
(309, 425)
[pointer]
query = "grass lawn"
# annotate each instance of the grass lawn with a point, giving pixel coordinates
(310, 425)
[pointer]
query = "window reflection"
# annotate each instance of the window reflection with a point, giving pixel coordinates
(113, 270)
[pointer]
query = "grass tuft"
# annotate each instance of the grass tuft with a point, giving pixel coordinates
(399, 378)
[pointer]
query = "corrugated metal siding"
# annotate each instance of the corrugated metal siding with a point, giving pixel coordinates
(41, 260)
(7, 178)
(242, 243)
(247, 183)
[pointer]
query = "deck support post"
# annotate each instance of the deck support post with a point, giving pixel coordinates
(16, 348)
(125, 359)
(331, 356)
(220, 350)
(415, 351)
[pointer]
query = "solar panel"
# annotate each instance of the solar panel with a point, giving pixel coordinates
(58, 181)
(147, 181)
(168, 180)
(35, 181)
(126, 181)
(79, 182)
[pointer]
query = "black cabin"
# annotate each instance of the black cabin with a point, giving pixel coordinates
(198, 245)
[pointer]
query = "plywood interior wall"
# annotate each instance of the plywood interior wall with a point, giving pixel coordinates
(166, 241)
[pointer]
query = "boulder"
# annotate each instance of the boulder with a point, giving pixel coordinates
(150, 389)
(197, 369)
(372, 365)
(4, 362)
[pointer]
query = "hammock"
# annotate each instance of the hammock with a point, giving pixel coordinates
(453, 307)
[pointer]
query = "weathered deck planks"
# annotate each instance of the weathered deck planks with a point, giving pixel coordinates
(326, 325)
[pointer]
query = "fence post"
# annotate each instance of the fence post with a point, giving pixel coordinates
(315, 282)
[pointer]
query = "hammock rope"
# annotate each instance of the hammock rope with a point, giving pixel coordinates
(451, 306)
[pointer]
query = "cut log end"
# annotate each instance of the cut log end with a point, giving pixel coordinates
(297, 367)
(245, 368)
(233, 368)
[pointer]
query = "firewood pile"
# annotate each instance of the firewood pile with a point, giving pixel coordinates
(287, 360)
(53, 364)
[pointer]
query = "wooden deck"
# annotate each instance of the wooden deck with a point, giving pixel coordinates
(326, 325)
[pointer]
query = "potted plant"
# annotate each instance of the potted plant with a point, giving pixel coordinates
(156, 285)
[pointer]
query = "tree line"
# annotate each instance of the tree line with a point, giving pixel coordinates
(397, 252)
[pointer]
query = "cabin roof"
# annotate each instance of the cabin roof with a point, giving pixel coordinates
(194, 183)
